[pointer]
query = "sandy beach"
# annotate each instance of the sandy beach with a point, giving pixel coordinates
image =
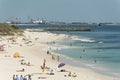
(32, 48)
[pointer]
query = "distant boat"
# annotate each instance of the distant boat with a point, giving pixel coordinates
(39, 21)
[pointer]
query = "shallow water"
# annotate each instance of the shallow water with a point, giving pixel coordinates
(97, 50)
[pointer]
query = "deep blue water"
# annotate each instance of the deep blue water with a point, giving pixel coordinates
(98, 50)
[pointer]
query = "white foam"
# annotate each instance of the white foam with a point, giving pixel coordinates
(82, 39)
(101, 42)
(61, 47)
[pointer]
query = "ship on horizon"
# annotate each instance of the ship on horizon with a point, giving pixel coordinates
(39, 21)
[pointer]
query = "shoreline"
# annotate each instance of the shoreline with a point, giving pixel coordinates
(75, 63)
(35, 52)
(103, 70)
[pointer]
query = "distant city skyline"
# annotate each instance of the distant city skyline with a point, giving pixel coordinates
(61, 10)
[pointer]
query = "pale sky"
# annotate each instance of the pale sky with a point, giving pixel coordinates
(62, 10)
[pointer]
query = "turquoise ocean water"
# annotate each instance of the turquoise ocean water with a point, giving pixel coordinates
(98, 50)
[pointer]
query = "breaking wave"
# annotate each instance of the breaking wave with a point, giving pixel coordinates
(82, 39)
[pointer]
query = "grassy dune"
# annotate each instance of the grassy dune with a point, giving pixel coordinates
(6, 29)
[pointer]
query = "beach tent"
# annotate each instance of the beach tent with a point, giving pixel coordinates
(16, 55)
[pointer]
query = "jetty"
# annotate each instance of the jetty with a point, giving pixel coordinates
(67, 29)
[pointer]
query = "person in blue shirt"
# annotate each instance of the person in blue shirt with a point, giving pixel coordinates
(24, 78)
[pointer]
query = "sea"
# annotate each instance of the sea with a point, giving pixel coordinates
(98, 49)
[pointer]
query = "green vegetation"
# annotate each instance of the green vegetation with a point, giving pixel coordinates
(6, 29)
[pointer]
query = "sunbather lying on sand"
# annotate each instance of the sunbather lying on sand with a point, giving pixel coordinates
(21, 70)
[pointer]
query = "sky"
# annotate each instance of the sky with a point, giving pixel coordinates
(61, 10)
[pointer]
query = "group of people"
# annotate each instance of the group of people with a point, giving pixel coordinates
(71, 75)
(24, 63)
(21, 77)
(53, 56)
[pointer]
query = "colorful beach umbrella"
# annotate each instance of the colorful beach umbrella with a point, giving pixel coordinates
(16, 55)
(61, 65)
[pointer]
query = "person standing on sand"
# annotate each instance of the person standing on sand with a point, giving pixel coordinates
(53, 57)
(42, 68)
(14, 77)
(21, 77)
(44, 65)
(24, 78)
(69, 74)
(17, 78)
(58, 58)
(29, 77)
(48, 52)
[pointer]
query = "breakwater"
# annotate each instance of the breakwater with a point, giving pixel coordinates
(67, 29)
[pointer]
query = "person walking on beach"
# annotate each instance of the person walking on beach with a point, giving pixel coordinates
(21, 77)
(53, 57)
(48, 52)
(58, 58)
(14, 77)
(24, 78)
(17, 78)
(29, 77)
(69, 74)
(44, 65)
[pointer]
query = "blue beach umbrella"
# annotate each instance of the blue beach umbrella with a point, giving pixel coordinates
(61, 65)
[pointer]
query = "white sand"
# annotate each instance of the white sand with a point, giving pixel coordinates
(35, 53)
